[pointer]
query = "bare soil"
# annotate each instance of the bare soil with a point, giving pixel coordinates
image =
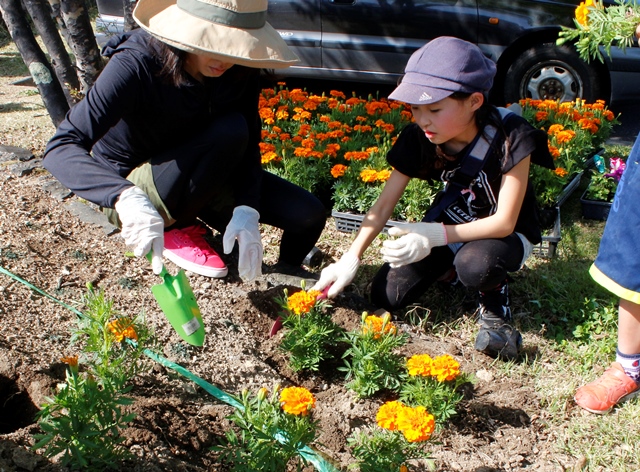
(500, 425)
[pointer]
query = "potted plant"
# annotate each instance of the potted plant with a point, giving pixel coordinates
(598, 196)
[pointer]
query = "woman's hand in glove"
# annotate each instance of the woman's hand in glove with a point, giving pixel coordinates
(415, 243)
(142, 225)
(338, 275)
(244, 227)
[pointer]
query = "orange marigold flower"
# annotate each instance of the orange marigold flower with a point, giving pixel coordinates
(588, 124)
(368, 175)
(416, 424)
(356, 155)
(362, 128)
(420, 364)
(282, 114)
(445, 368)
(122, 328)
(338, 170)
(608, 115)
(387, 416)
(266, 147)
(71, 361)
(337, 94)
(324, 119)
(378, 326)
(542, 115)
(555, 129)
(560, 172)
(404, 468)
(332, 149)
(565, 136)
(297, 400)
(302, 302)
(554, 151)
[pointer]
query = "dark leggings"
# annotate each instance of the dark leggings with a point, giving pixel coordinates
(196, 179)
(481, 265)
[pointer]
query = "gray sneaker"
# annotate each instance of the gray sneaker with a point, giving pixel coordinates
(497, 338)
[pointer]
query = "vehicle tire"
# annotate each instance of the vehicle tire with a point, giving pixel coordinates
(552, 72)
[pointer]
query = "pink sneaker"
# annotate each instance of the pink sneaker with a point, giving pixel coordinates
(187, 248)
(613, 387)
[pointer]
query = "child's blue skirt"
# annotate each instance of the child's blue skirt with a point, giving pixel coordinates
(617, 266)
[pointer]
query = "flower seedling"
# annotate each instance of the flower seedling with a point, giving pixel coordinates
(399, 438)
(370, 362)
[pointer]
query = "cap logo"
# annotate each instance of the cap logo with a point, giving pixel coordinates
(424, 97)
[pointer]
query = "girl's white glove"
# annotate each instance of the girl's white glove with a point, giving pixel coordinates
(142, 225)
(338, 275)
(415, 244)
(244, 227)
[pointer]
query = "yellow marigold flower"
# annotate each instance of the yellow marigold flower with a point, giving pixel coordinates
(445, 368)
(122, 328)
(302, 302)
(338, 170)
(560, 172)
(71, 361)
(269, 157)
(387, 416)
(368, 175)
(383, 175)
(582, 12)
(420, 364)
(416, 423)
(297, 400)
(378, 326)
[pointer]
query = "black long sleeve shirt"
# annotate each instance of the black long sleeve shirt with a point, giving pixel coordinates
(131, 114)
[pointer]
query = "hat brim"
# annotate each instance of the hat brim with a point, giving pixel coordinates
(414, 94)
(259, 48)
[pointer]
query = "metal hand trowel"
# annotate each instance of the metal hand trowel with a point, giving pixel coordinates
(178, 303)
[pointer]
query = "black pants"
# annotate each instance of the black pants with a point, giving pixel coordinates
(481, 265)
(196, 180)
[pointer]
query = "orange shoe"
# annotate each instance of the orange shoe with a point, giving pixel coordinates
(613, 387)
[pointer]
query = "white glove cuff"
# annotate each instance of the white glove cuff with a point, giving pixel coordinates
(350, 261)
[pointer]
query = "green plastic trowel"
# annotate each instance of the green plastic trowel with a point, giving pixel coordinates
(178, 303)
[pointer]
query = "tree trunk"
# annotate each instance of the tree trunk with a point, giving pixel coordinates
(82, 42)
(41, 71)
(129, 22)
(40, 12)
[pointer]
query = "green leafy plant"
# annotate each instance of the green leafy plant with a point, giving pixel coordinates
(310, 335)
(434, 384)
(597, 25)
(399, 437)
(370, 361)
(82, 422)
(271, 430)
(605, 178)
(575, 130)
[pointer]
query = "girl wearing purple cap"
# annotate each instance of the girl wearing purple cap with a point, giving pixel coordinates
(484, 224)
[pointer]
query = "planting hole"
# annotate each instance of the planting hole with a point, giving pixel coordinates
(16, 408)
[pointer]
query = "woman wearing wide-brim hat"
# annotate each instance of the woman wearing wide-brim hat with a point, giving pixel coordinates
(169, 134)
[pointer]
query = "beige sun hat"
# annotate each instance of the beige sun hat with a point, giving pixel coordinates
(232, 29)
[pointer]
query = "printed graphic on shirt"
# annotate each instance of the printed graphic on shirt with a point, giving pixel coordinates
(478, 201)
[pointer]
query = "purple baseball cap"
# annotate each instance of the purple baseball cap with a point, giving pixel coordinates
(441, 67)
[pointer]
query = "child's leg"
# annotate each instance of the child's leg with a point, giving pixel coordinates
(620, 381)
(483, 265)
(392, 289)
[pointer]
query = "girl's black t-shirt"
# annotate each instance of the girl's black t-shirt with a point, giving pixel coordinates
(415, 156)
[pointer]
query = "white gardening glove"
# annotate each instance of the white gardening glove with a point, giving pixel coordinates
(415, 244)
(142, 225)
(338, 275)
(244, 227)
